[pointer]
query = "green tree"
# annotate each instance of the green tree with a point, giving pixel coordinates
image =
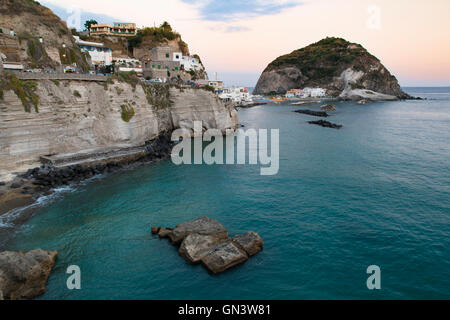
(166, 26)
(88, 23)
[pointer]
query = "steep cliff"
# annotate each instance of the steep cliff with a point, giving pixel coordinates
(342, 68)
(76, 115)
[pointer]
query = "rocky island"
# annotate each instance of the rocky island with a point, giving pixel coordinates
(342, 69)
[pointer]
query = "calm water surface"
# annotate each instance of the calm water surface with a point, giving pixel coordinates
(375, 192)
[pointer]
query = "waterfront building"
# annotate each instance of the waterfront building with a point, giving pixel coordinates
(238, 95)
(121, 29)
(294, 93)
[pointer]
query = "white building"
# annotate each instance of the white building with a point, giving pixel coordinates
(313, 93)
(128, 61)
(100, 55)
(239, 95)
(190, 63)
(17, 66)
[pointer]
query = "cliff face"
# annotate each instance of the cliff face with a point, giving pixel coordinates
(75, 115)
(342, 68)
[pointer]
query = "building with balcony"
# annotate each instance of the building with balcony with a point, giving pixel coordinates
(100, 55)
(121, 29)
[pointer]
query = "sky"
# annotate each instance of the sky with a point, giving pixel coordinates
(237, 39)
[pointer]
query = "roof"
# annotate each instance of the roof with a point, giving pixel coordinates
(88, 43)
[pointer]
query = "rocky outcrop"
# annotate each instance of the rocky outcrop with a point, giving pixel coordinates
(345, 70)
(203, 226)
(205, 240)
(325, 124)
(94, 118)
(223, 257)
(23, 275)
(328, 107)
(196, 246)
(250, 242)
(313, 113)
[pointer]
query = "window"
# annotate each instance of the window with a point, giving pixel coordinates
(153, 66)
(167, 55)
(159, 67)
(167, 67)
(176, 68)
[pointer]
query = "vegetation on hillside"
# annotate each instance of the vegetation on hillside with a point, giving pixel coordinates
(159, 35)
(25, 91)
(323, 59)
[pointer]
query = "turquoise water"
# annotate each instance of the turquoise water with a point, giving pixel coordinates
(375, 192)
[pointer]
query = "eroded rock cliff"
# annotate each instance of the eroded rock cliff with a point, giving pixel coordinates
(80, 115)
(343, 69)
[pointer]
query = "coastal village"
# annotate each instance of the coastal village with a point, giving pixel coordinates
(161, 64)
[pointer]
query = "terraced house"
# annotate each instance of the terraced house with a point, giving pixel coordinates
(121, 29)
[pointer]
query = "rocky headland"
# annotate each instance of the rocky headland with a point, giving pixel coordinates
(344, 70)
(205, 240)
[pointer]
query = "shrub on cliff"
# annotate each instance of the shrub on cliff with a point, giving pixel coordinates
(25, 91)
(127, 112)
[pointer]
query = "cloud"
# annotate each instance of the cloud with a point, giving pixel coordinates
(65, 12)
(219, 10)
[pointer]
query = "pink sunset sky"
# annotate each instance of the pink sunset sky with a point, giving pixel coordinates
(237, 39)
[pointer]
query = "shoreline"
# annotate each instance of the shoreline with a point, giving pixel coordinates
(21, 196)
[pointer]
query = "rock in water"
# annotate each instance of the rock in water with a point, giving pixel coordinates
(328, 107)
(196, 246)
(23, 275)
(250, 242)
(155, 230)
(206, 240)
(339, 67)
(203, 226)
(326, 124)
(164, 233)
(313, 113)
(223, 257)
(364, 101)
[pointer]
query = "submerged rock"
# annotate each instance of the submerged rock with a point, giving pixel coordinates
(364, 101)
(223, 257)
(205, 240)
(250, 242)
(203, 226)
(313, 113)
(325, 124)
(23, 275)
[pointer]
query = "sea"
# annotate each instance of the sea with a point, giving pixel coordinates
(374, 193)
